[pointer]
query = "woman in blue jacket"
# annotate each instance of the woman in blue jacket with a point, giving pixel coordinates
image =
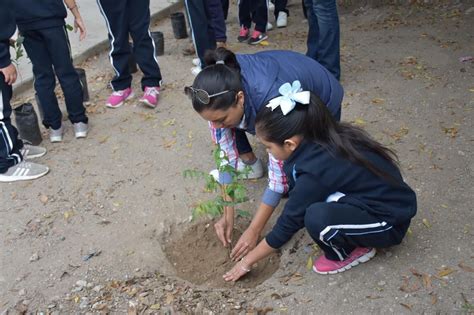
(229, 93)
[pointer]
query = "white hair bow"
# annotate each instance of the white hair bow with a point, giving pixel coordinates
(291, 93)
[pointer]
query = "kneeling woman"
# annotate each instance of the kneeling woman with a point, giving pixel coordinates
(229, 93)
(345, 188)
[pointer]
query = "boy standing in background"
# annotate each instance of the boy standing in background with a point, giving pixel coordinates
(12, 150)
(46, 42)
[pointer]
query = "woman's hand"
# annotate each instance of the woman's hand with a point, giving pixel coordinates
(79, 25)
(240, 269)
(246, 243)
(224, 230)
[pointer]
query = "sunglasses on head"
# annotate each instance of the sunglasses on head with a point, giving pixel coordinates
(201, 95)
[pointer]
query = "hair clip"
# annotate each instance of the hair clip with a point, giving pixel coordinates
(290, 94)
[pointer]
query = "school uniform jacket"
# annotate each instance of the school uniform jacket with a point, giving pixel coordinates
(7, 28)
(39, 14)
(314, 174)
(263, 73)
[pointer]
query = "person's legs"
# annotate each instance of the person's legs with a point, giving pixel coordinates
(199, 19)
(116, 17)
(323, 34)
(57, 42)
(143, 45)
(44, 78)
(260, 15)
(225, 8)
(280, 6)
(10, 144)
(245, 16)
(340, 228)
(217, 20)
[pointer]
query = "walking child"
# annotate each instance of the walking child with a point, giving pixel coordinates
(345, 188)
(46, 42)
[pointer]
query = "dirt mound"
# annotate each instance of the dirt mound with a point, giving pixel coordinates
(199, 257)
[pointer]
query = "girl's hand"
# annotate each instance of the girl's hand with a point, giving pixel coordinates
(79, 25)
(224, 230)
(240, 269)
(246, 243)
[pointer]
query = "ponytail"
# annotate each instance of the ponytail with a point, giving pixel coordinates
(220, 55)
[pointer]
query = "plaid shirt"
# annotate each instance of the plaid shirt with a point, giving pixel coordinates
(277, 181)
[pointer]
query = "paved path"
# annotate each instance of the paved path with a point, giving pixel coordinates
(96, 39)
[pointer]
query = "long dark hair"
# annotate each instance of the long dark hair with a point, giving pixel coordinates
(218, 77)
(315, 123)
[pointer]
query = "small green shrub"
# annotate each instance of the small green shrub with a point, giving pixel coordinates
(231, 194)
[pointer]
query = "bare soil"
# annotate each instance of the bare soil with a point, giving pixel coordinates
(89, 236)
(199, 257)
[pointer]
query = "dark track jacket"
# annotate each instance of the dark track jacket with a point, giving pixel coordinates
(7, 28)
(314, 174)
(38, 14)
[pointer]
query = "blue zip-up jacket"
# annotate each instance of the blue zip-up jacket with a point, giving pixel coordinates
(263, 73)
(7, 28)
(39, 14)
(314, 174)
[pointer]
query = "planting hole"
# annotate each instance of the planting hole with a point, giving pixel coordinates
(200, 258)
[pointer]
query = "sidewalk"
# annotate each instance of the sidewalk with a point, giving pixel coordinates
(96, 39)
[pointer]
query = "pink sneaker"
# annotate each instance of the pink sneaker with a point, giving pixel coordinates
(243, 34)
(150, 97)
(324, 266)
(117, 98)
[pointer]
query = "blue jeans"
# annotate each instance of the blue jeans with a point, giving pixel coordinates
(323, 34)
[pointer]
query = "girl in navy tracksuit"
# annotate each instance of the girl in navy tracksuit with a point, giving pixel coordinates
(42, 25)
(238, 87)
(345, 188)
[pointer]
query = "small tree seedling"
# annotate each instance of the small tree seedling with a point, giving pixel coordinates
(231, 194)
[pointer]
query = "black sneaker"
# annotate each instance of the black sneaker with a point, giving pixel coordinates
(257, 37)
(243, 34)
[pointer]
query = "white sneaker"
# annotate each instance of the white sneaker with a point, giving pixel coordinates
(282, 19)
(24, 171)
(31, 151)
(256, 169)
(80, 130)
(197, 62)
(56, 135)
(195, 70)
(269, 26)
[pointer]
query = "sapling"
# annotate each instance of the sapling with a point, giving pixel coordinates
(231, 194)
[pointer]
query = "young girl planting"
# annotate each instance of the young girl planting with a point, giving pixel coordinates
(345, 188)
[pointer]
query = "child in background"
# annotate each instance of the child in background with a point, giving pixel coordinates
(46, 42)
(345, 188)
(13, 152)
(253, 11)
(126, 18)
